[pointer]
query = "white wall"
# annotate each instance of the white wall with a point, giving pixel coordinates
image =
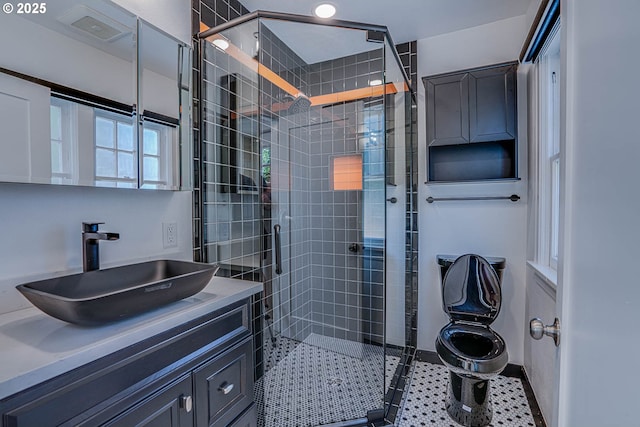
(599, 282)
(41, 229)
(489, 228)
(172, 16)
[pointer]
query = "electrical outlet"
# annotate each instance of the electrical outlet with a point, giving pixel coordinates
(169, 234)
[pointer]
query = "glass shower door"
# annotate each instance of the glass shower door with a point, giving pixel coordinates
(315, 122)
(327, 183)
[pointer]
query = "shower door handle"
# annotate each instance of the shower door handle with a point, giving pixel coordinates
(276, 233)
(355, 248)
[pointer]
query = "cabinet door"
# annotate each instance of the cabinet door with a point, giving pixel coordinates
(492, 104)
(25, 150)
(224, 386)
(169, 407)
(447, 109)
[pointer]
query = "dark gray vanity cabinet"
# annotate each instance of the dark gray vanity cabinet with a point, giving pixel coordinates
(471, 106)
(196, 374)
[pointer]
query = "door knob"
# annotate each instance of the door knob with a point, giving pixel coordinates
(537, 330)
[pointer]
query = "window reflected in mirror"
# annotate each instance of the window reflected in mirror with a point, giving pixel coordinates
(115, 151)
(159, 156)
(63, 143)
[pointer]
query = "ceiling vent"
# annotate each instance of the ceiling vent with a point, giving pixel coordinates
(94, 23)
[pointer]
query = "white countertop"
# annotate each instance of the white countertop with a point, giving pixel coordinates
(35, 347)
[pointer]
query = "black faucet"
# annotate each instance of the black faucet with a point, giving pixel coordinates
(90, 249)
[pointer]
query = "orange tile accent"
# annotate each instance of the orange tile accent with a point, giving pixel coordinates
(254, 65)
(346, 173)
(354, 94)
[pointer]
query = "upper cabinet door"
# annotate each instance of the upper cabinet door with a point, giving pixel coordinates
(447, 109)
(25, 144)
(492, 104)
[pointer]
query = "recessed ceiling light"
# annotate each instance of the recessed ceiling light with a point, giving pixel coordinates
(221, 44)
(325, 10)
(376, 82)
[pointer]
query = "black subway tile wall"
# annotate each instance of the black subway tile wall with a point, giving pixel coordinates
(408, 57)
(210, 13)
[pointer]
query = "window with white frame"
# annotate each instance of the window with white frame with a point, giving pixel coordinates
(548, 65)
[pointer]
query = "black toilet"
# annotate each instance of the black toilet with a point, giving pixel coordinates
(469, 348)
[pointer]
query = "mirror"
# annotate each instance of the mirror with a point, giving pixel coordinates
(164, 65)
(70, 82)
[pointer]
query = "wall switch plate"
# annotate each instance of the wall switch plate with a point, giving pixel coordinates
(169, 234)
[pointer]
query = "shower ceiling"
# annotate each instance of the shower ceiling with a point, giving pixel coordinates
(318, 43)
(407, 20)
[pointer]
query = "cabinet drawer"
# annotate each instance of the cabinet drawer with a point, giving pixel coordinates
(248, 419)
(224, 386)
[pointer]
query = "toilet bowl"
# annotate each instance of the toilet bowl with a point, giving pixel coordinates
(468, 347)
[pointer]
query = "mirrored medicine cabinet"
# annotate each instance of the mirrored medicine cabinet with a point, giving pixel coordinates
(91, 95)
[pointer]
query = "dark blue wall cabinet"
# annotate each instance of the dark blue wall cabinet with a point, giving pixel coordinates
(472, 124)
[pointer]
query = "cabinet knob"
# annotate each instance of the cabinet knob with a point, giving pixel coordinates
(186, 403)
(225, 388)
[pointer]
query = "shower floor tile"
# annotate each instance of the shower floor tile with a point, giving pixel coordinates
(322, 380)
(275, 352)
(424, 401)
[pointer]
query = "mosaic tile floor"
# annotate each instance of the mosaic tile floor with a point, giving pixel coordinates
(424, 401)
(321, 380)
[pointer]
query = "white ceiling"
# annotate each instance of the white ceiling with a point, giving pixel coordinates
(317, 43)
(407, 20)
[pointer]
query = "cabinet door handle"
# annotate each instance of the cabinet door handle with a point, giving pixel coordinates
(225, 388)
(186, 403)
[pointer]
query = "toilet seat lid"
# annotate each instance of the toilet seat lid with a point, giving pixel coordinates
(471, 290)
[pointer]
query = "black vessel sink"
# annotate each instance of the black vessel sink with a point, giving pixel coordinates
(103, 296)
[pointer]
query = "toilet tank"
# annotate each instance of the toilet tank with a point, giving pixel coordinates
(445, 261)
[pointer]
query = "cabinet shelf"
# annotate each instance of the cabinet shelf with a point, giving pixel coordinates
(473, 162)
